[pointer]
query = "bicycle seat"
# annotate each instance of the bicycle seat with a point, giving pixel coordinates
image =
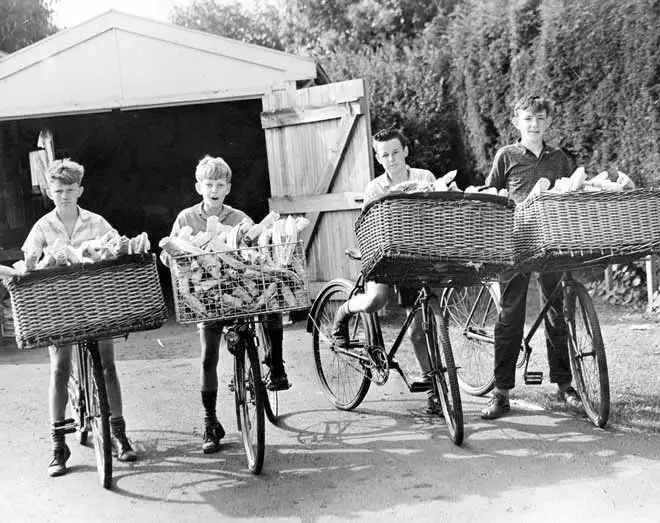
(353, 253)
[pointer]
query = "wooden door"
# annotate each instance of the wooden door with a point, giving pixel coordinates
(318, 141)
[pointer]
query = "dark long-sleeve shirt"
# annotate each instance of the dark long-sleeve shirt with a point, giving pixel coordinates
(518, 169)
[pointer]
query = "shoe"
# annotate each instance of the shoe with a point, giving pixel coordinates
(278, 382)
(212, 436)
(570, 397)
(497, 407)
(433, 406)
(57, 466)
(123, 450)
(340, 333)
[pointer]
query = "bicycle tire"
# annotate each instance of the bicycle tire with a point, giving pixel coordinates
(344, 380)
(587, 353)
(472, 311)
(249, 398)
(76, 392)
(271, 397)
(445, 377)
(99, 414)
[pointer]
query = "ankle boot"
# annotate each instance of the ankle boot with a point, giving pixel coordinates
(60, 450)
(340, 326)
(278, 377)
(121, 447)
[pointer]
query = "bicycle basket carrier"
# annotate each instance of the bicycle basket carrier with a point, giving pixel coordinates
(563, 231)
(435, 238)
(241, 282)
(87, 301)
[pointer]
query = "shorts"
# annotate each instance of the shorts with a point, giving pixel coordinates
(407, 295)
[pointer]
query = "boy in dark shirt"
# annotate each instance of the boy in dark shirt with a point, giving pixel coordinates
(518, 167)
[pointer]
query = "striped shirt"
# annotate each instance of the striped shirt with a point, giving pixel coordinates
(50, 228)
(382, 184)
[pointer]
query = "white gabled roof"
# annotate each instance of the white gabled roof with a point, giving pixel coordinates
(117, 60)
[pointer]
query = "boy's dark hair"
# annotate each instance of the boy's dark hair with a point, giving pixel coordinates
(534, 104)
(385, 135)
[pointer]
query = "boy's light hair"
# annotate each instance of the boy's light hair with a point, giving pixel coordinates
(210, 168)
(388, 134)
(66, 171)
(534, 104)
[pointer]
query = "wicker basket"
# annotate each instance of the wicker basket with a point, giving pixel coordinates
(222, 286)
(88, 301)
(564, 231)
(436, 238)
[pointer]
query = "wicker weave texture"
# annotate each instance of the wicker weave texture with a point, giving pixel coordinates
(91, 301)
(561, 231)
(435, 240)
(243, 282)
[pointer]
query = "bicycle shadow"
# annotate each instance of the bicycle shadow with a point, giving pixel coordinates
(327, 463)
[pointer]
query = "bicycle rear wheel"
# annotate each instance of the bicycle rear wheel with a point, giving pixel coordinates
(343, 377)
(472, 313)
(587, 353)
(76, 392)
(271, 399)
(249, 398)
(99, 413)
(444, 376)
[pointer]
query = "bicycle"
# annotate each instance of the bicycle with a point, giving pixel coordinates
(345, 374)
(248, 388)
(472, 312)
(89, 401)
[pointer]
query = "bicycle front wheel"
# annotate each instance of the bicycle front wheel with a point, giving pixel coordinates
(271, 399)
(99, 413)
(76, 392)
(445, 377)
(342, 373)
(472, 312)
(587, 353)
(249, 398)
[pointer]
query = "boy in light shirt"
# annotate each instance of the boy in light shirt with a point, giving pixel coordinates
(73, 225)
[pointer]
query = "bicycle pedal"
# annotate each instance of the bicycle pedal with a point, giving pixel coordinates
(420, 386)
(68, 428)
(533, 377)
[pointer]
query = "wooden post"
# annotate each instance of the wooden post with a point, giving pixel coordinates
(608, 278)
(651, 279)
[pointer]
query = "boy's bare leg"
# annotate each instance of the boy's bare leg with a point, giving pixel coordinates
(121, 446)
(60, 369)
(418, 341)
(373, 299)
(209, 338)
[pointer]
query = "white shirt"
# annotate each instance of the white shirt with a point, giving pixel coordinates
(382, 184)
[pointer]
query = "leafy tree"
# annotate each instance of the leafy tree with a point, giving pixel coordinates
(260, 27)
(407, 88)
(23, 22)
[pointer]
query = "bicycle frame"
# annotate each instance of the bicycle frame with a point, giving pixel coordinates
(424, 296)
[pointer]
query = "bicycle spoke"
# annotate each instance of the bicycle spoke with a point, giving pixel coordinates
(471, 314)
(343, 378)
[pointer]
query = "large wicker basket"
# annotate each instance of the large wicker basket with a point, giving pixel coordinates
(221, 286)
(87, 301)
(564, 231)
(436, 238)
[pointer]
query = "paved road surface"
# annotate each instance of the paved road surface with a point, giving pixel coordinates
(387, 461)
